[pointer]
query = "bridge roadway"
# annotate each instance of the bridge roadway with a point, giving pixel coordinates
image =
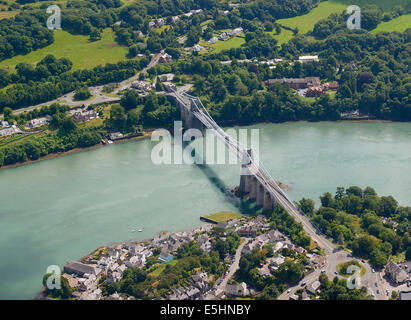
(195, 108)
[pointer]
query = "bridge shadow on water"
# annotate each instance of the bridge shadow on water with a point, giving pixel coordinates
(245, 206)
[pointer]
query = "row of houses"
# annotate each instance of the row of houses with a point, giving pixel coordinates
(161, 21)
(230, 33)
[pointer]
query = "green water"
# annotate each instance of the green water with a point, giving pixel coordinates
(61, 209)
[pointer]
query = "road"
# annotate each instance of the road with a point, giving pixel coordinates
(234, 266)
(96, 91)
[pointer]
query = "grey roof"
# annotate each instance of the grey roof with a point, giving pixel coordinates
(79, 268)
(405, 295)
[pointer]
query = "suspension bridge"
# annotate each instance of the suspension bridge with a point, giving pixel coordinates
(255, 180)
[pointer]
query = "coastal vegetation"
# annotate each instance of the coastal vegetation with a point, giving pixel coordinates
(373, 227)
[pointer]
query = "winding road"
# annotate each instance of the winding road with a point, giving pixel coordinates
(96, 91)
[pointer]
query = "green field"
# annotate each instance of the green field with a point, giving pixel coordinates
(283, 37)
(307, 21)
(219, 46)
(77, 48)
(399, 24)
(223, 216)
(384, 4)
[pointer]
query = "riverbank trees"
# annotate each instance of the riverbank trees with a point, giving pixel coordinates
(373, 227)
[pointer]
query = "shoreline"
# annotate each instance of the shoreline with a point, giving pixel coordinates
(146, 135)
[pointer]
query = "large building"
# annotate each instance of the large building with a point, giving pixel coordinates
(395, 272)
(80, 268)
(405, 295)
(297, 83)
(237, 289)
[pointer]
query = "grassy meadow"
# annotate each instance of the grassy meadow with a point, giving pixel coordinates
(77, 48)
(400, 24)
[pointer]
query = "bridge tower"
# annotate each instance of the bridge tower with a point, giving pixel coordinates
(245, 175)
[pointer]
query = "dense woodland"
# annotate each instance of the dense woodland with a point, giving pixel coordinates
(353, 218)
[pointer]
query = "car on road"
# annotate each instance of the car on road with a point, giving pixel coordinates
(224, 276)
(303, 284)
(388, 292)
(372, 270)
(378, 291)
(289, 290)
(335, 272)
(376, 284)
(362, 260)
(322, 271)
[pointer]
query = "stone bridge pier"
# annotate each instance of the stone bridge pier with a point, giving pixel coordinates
(249, 184)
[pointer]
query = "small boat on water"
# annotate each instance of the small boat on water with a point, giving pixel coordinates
(140, 230)
(132, 231)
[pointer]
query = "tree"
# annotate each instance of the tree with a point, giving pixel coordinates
(408, 253)
(394, 295)
(290, 271)
(117, 118)
(327, 200)
(64, 292)
(7, 114)
(129, 100)
(82, 93)
(307, 206)
(341, 239)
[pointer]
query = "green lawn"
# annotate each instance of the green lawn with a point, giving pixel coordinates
(399, 24)
(223, 216)
(307, 21)
(283, 37)
(384, 4)
(219, 46)
(78, 49)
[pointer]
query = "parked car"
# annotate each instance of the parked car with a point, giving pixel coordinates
(303, 283)
(376, 284)
(378, 291)
(289, 290)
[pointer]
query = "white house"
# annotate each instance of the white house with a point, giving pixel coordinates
(237, 289)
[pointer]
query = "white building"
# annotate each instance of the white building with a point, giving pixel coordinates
(35, 123)
(237, 289)
(304, 59)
